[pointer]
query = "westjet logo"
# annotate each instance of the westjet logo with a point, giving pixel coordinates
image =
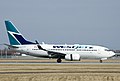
(74, 47)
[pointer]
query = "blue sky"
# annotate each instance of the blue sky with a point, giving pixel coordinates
(94, 22)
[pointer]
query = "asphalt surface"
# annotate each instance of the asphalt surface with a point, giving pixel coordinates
(59, 63)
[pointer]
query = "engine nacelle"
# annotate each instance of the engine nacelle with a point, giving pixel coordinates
(72, 57)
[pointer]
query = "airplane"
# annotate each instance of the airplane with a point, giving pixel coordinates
(74, 52)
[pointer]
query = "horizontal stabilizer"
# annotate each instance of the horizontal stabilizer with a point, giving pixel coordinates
(11, 46)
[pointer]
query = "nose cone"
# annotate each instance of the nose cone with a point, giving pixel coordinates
(112, 53)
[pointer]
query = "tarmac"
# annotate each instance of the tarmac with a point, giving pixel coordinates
(53, 61)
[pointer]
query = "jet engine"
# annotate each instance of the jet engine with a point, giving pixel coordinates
(72, 57)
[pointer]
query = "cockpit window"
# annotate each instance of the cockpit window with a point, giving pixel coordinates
(108, 50)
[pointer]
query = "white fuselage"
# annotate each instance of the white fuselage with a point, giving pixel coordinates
(85, 51)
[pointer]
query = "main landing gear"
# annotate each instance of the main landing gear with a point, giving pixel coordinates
(100, 61)
(59, 60)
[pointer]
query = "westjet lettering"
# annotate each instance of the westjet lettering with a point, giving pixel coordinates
(74, 47)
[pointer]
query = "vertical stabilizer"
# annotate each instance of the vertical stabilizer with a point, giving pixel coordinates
(15, 37)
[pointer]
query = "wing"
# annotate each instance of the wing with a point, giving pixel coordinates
(52, 53)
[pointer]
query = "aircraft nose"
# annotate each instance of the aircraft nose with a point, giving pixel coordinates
(112, 53)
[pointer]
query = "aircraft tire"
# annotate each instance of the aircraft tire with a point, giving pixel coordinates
(100, 61)
(59, 60)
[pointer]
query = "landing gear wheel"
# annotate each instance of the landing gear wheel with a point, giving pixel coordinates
(100, 61)
(59, 60)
